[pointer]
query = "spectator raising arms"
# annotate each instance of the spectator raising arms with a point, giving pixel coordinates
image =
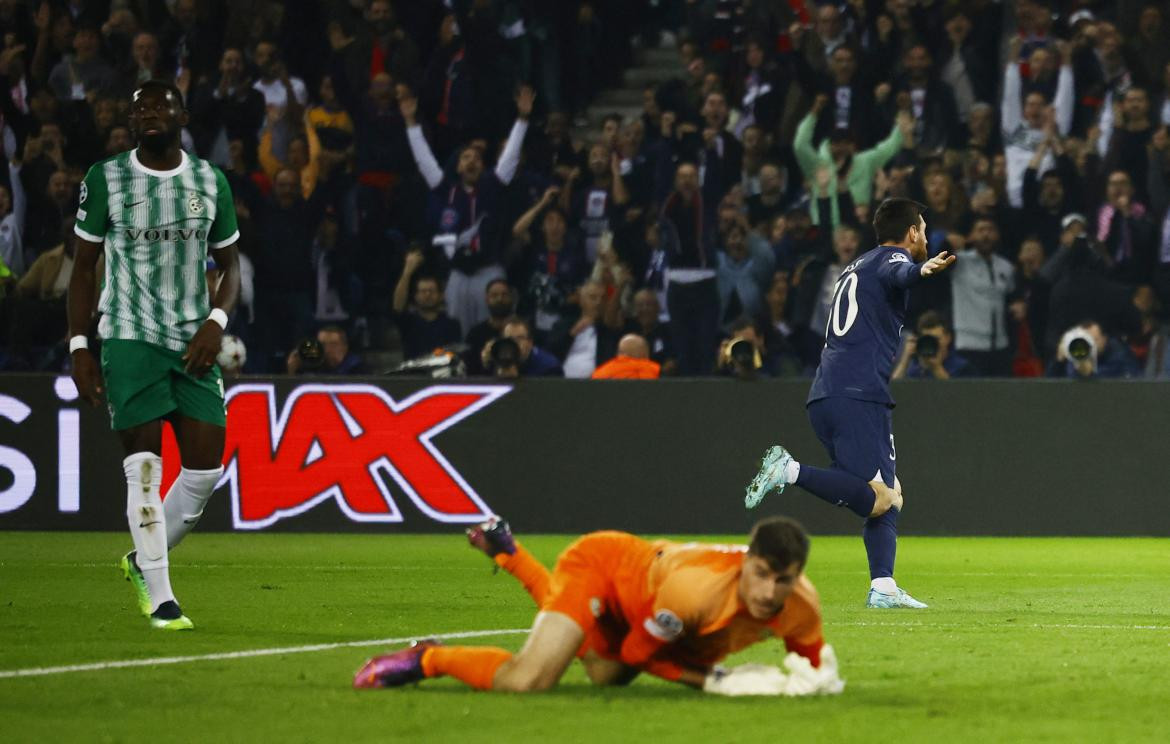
(462, 211)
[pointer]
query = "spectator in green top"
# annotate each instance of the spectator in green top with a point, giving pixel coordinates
(838, 153)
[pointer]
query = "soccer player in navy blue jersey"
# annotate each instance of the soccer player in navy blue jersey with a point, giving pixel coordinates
(850, 406)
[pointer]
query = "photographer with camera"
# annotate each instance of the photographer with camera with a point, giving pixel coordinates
(742, 355)
(1081, 289)
(515, 355)
(327, 354)
(929, 354)
(1085, 352)
(501, 304)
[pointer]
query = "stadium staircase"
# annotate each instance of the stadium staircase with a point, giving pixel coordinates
(654, 65)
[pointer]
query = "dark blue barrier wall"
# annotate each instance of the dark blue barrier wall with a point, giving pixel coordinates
(975, 458)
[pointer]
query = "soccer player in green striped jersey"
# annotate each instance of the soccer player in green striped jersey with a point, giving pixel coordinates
(156, 212)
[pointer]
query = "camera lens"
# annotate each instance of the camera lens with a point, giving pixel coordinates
(311, 352)
(743, 353)
(1079, 349)
(505, 353)
(927, 345)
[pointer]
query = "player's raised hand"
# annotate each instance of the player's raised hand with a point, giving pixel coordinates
(87, 377)
(938, 264)
(203, 348)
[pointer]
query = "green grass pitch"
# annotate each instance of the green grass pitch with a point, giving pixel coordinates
(1026, 640)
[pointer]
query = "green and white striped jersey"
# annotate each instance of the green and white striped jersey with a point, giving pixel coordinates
(157, 227)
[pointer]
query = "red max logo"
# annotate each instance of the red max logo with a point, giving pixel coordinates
(342, 442)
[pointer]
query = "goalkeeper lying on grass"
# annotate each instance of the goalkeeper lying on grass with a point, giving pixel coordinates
(624, 605)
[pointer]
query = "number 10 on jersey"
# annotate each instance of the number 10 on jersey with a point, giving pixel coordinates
(846, 290)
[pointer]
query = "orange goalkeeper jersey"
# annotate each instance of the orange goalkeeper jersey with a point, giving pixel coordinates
(680, 602)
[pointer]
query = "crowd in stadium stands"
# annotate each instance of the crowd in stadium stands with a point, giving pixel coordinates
(414, 174)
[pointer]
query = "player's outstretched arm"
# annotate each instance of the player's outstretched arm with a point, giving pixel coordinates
(938, 264)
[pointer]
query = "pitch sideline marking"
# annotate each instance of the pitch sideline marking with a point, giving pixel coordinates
(123, 663)
(158, 661)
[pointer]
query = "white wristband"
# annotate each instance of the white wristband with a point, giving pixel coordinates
(78, 342)
(220, 317)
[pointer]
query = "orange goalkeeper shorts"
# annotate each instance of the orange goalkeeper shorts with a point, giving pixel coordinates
(585, 583)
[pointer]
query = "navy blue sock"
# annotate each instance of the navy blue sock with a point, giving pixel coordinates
(838, 488)
(881, 543)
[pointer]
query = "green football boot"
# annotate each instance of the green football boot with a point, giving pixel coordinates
(133, 574)
(168, 616)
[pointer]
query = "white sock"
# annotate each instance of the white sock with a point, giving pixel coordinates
(885, 585)
(185, 501)
(148, 525)
(792, 471)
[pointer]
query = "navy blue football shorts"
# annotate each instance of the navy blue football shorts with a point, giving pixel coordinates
(858, 435)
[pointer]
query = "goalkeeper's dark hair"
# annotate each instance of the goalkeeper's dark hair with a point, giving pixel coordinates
(894, 217)
(780, 541)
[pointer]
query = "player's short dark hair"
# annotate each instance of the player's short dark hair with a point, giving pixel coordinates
(614, 117)
(162, 86)
(894, 217)
(780, 541)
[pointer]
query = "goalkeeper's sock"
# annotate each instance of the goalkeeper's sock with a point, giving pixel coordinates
(531, 572)
(881, 544)
(473, 665)
(838, 488)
